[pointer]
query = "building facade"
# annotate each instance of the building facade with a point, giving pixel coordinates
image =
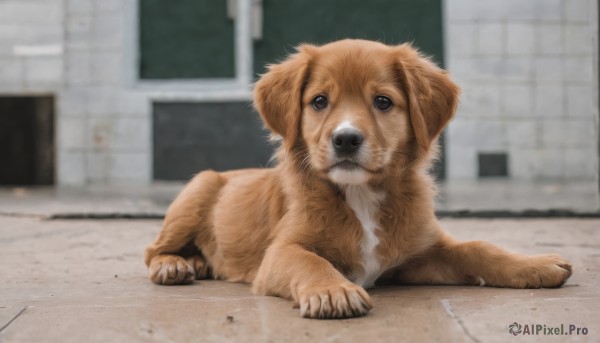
(528, 70)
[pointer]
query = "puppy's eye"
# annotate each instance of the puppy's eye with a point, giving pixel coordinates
(383, 103)
(319, 102)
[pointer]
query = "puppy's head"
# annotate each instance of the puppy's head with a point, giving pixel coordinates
(359, 108)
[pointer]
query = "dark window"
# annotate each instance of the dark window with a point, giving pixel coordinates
(185, 39)
(26, 141)
(493, 164)
(191, 137)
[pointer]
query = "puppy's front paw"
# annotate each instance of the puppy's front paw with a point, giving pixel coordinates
(334, 301)
(171, 270)
(548, 271)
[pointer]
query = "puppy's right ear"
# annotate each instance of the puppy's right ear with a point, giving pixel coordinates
(432, 95)
(278, 95)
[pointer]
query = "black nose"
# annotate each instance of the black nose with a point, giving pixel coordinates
(346, 142)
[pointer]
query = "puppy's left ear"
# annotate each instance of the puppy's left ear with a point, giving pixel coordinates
(432, 96)
(278, 95)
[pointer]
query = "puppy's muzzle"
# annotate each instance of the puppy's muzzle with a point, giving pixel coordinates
(346, 142)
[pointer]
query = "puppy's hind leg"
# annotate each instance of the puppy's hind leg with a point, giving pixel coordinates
(174, 258)
(482, 263)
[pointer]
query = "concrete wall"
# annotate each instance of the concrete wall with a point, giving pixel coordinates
(104, 125)
(528, 70)
(31, 40)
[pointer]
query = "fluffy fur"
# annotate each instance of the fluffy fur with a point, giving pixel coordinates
(316, 232)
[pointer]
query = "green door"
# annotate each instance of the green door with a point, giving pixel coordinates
(185, 39)
(289, 23)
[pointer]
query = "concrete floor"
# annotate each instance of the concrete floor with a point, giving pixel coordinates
(84, 281)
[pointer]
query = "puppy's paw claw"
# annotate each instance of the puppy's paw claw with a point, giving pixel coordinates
(201, 268)
(547, 271)
(327, 302)
(171, 270)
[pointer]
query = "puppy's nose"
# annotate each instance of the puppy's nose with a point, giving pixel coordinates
(346, 142)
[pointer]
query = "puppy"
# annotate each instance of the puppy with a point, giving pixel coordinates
(350, 202)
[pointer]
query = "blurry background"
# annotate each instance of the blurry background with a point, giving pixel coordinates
(137, 92)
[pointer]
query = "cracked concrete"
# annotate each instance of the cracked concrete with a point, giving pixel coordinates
(450, 312)
(84, 280)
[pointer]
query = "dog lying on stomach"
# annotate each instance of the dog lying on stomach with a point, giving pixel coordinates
(350, 203)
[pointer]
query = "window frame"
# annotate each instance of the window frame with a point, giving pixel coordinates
(201, 89)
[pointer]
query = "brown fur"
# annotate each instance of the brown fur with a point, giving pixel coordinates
(291, 230)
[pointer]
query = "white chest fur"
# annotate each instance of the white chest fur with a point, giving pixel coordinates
(366, 203)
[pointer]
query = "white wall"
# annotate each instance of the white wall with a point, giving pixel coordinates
(528, 70)
(31, 41)
(104, 122)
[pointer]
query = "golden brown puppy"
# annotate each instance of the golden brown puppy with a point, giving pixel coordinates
(350, 202)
